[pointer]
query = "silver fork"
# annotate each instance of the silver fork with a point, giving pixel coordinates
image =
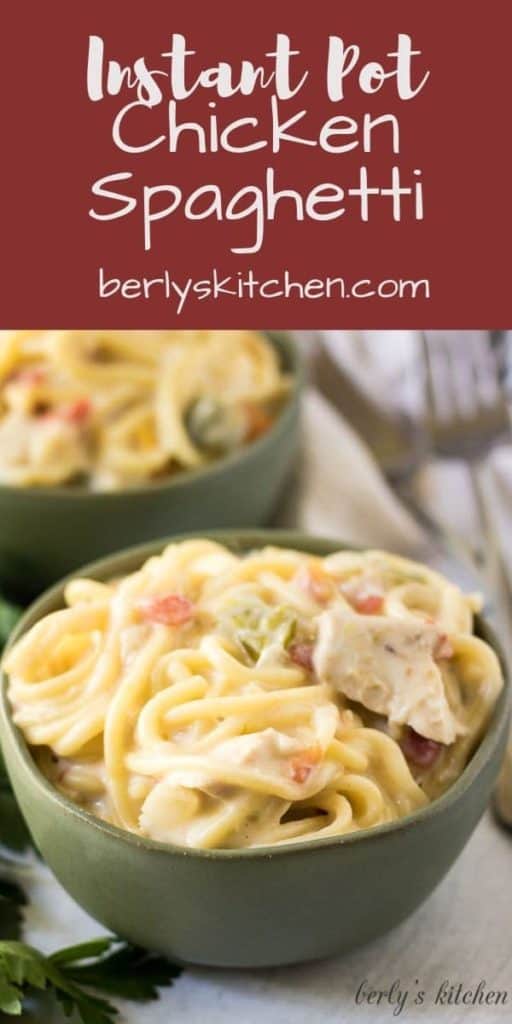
(467, 404)
(468, 416)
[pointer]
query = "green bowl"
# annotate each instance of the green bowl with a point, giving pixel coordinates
(248, 908)
(48, 532)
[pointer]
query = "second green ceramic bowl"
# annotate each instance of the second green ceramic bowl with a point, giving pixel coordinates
(248, 908)
(48, 532)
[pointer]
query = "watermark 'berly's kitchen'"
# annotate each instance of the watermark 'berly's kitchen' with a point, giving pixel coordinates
(398, 995)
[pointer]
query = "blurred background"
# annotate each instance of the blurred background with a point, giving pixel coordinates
(429, 414)
(407, 444)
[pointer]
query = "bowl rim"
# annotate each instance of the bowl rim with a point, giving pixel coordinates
(246, 539)
(287, 348)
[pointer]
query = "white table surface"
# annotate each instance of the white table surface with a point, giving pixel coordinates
(462, 934)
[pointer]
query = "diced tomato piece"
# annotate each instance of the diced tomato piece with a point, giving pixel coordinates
(443, 648)
(368, 604)
(76, 412)
(30, 377)
(418, 749)
(315, 583)
(300, 771)
(167, 609)
(258, 421)
(366, 597)
(302, 654)
(302, 765)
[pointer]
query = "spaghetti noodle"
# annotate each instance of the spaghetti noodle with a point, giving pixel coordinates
(116, 409)
(216, 700)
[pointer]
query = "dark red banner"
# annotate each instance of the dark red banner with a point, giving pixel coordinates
(211, 165)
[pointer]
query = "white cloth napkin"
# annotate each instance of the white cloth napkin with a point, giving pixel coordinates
(340, 491)
(386, 365)
(463, 932)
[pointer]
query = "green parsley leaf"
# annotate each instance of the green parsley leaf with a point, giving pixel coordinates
(129, 972)
(105, 965)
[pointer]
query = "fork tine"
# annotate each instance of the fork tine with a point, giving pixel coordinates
(467, 410)
(461, 359)
(437, 379)
(449, 382)
(491, 381)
